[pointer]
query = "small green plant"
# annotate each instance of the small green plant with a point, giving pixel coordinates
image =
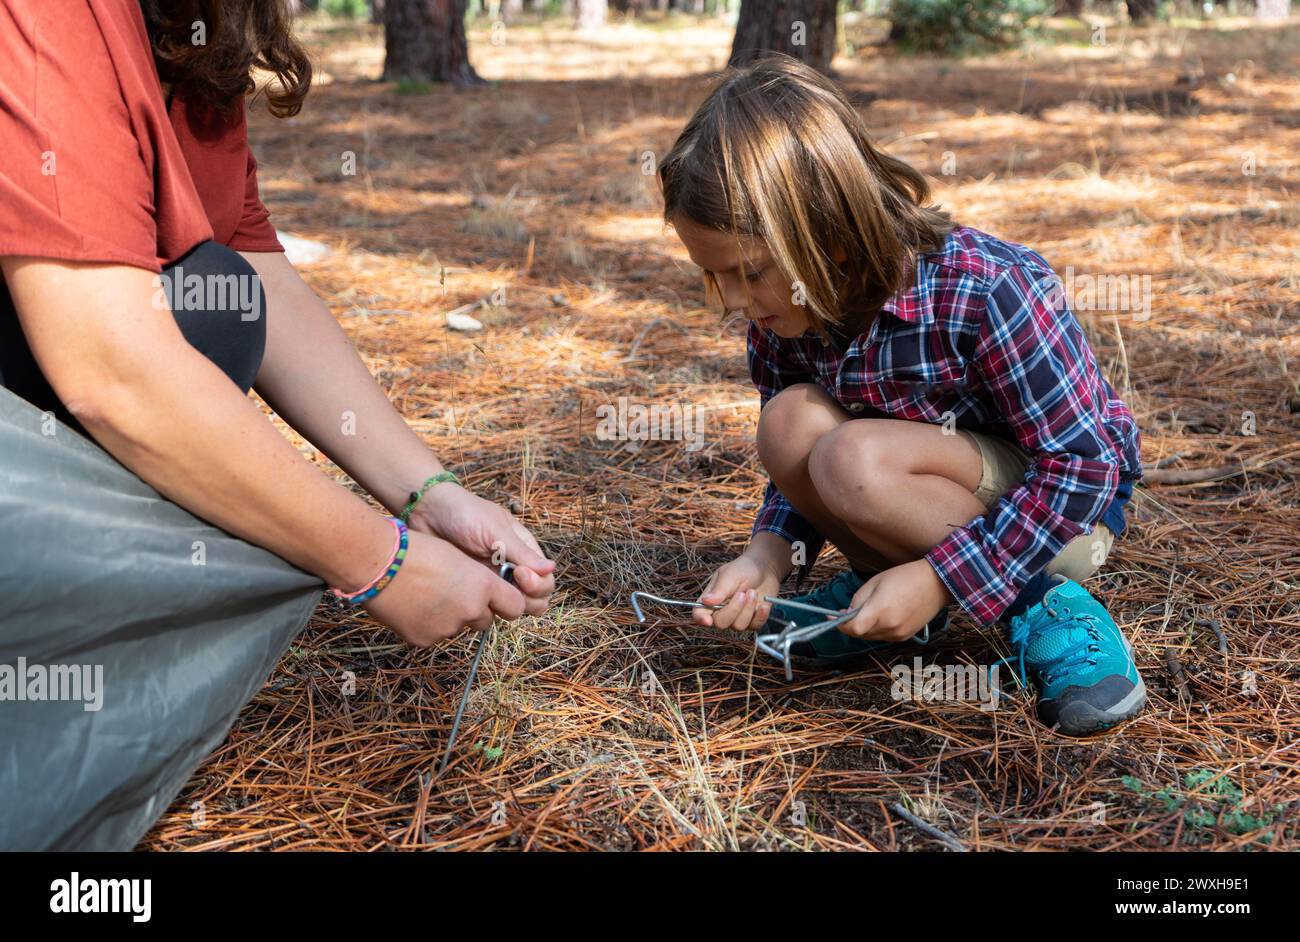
(948, 27)
(491, 753)
(1206, 795)
(410, 86)
(347, 9)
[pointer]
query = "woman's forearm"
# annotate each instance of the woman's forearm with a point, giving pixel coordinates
(167, 413)
(234, 469)
(314, 379)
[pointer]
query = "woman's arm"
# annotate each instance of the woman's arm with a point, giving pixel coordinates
(123, 368)
(312, 376)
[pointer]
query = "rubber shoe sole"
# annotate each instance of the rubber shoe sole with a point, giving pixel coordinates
(1078, 711)
(1074, 712)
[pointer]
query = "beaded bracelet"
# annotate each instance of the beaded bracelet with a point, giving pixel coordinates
(415, 497)
(380, 582)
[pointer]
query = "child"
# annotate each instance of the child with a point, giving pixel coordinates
(929, 402)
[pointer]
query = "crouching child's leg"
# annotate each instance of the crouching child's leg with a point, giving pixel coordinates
(884, 491)
(1062, 639)
(790, 429)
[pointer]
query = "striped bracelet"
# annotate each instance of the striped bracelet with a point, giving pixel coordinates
(380, 582)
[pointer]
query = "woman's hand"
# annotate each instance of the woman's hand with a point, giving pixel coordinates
(484, 530)
(898, 603)
(311, 375)
(741, 584)
(439, 591)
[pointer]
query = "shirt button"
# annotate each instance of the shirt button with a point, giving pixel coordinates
(855, 407)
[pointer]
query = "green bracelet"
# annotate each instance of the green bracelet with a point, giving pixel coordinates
(438, 478)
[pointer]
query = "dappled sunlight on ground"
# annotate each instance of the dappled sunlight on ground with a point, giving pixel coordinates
(1166, 153)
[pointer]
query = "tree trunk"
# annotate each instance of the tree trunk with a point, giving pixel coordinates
(1141, 11)
(377, 12)
(1272, 10)
(425, 40)
(1069, 7)
(804, 29)
(511, 10)
(591, 14)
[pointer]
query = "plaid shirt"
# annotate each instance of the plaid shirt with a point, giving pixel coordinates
(983, 340)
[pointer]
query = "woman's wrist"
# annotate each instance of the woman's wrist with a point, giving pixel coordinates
(384, 576)
(429, 493)
(365, 547)
(402, 477)
(439, 494)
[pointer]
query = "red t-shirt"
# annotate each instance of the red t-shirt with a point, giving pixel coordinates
(225, 174)
(93, 167)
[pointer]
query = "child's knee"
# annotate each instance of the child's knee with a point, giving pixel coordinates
(852, 472)
(791, 424)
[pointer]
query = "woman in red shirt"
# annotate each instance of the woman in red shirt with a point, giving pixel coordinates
(126, 179)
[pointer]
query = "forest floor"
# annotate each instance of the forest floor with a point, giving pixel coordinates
(1166, 156)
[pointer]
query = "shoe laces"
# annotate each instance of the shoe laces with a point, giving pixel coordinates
(1026, 629)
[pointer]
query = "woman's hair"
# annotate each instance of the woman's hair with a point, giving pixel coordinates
(776, 152)
(238, 37)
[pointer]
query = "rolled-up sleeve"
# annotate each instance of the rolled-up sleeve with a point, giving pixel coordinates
(255, 232)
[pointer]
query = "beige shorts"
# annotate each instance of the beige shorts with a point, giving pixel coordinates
(1004, 468)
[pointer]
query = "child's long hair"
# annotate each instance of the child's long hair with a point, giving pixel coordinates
(777, 152)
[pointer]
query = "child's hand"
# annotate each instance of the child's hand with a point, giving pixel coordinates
(898, 603)
(741, 583)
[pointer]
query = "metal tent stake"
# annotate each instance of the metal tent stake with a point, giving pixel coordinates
(777, 644)
(506, 573)
(686, 603)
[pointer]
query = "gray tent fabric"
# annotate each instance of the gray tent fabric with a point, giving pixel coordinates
(154, 627)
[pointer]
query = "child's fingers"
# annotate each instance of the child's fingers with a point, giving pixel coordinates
(703, 616)
(722, 617)
(860, 625)
(718, 589)
(746, 616)
(726, 616)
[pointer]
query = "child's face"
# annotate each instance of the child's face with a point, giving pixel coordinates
(769, 300)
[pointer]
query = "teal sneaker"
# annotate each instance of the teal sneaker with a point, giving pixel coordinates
(1080, 662)
(833, 648)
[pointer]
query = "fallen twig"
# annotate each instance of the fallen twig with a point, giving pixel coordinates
(1214, 626)
(929, 829)
(1180, 678)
